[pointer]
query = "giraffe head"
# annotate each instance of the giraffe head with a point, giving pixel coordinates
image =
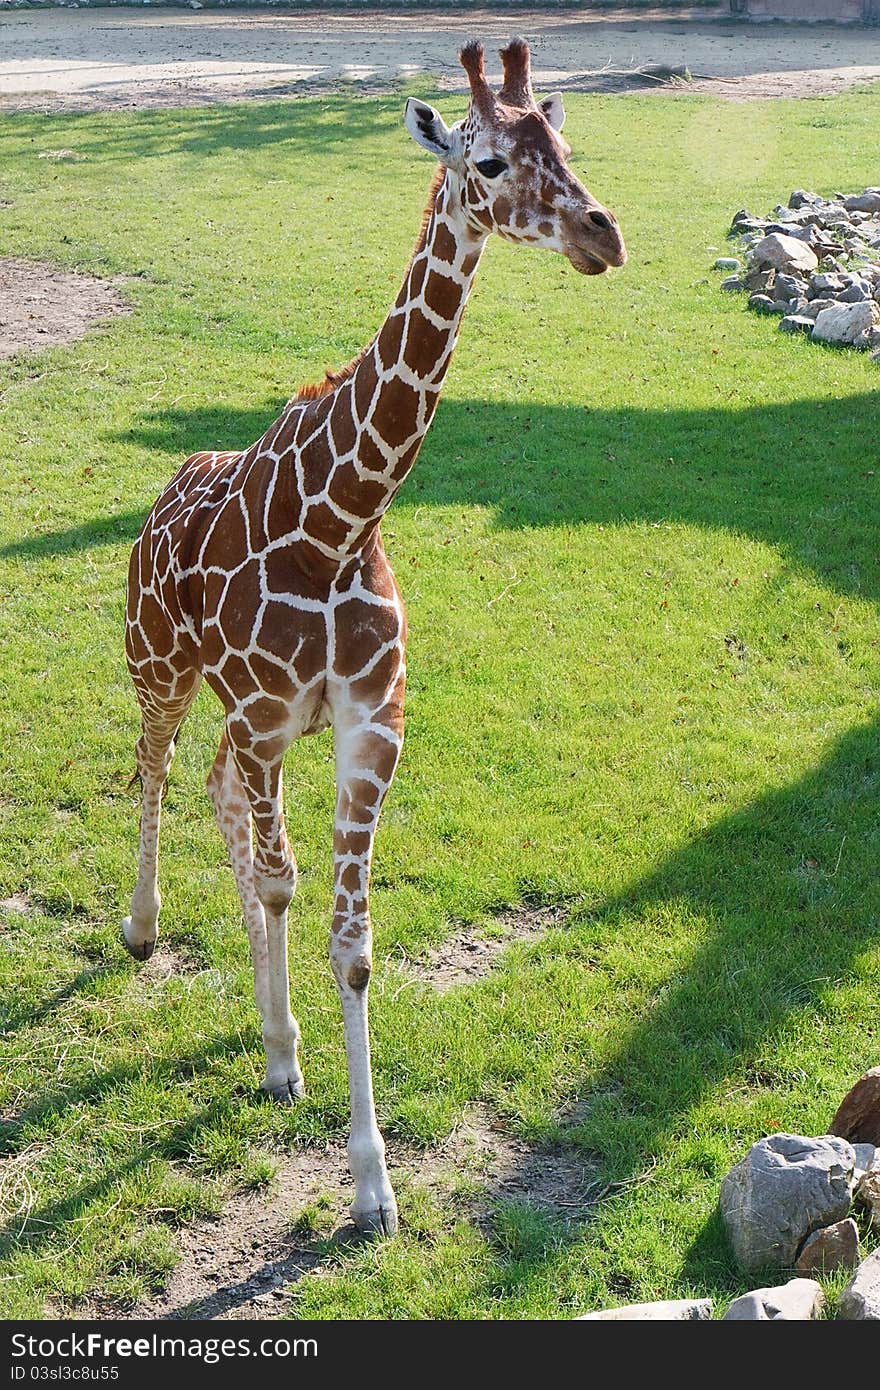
(509, 165)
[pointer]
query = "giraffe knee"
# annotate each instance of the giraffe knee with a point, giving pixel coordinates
(352, 958)
(357, 975)
(275, 891)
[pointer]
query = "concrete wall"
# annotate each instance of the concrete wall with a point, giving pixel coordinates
(843, 11)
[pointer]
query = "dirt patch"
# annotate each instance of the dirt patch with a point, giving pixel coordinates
(18, 905)
(42, 306)
(165, 963)
(469, 955)
(559, 1177)
(242, 1265)
(246, 1264)
(104, 60)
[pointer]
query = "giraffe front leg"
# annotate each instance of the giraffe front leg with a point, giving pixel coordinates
(366, 759)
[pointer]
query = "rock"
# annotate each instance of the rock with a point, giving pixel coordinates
(762, 302)
(860, 1300)
(869, 201)
(743, 216)
(733, 284)
(823, 284)
(842, 324)
(801, 199)
(797, 1301)
(789, 287)
(784, 253)
(867, 1157)
(760, 281)
(814, 307)
(868, 340)
(727, 263)
(855, 293)
(868, 1193)
(858, 1115)
(834, 1247)
(795, 323)
(807, 234)
(785, 1188)
(673, 1310)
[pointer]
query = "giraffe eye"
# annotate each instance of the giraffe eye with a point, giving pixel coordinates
(491, 168)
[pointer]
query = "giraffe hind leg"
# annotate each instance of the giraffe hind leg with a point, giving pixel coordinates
(155, 751)
(283, 1080)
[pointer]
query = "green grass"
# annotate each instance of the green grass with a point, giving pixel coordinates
(639, 558)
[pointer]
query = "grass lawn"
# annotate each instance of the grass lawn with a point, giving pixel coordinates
(639, 556)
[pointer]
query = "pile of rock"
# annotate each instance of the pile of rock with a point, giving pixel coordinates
(786, 1206)
(816, 263)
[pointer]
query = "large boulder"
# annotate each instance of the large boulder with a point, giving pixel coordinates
(785, 1188)
(860, 1300)
(858, 1115)
(797, 1301)
(781, 252)
(843, 323)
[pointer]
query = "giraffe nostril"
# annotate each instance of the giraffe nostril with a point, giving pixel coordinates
(600, 220)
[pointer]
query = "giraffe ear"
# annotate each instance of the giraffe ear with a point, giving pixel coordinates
(428, 128)
(554, 110)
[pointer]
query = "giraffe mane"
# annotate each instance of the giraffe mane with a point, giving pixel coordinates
(335, 377)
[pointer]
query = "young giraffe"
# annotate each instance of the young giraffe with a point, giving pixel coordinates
(264, 572)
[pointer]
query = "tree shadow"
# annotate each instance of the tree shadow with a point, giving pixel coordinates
(301, 130)
(796, 476)
(789, 899)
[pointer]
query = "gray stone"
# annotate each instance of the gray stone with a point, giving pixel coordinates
(860, 1300)
(673, 1310)
(760, 281)
(785, 1188)
(834, 1247)
(802, 199)
(795, 323)
(842, 323)
(855, 293)
(733, 284)
(784, 253)
(727, 263)
(863, 202)
(824, 283)
(789, 287)
(814, 307)
(762, 302)
(867, 1157)
(797, 1301)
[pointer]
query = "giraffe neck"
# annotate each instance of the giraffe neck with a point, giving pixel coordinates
(380, 414)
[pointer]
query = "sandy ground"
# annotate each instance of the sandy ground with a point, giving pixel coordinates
(98, 59)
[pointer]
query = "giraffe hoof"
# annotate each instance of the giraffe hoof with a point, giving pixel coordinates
(380, 1222)
(287, 1093)
(141, 950)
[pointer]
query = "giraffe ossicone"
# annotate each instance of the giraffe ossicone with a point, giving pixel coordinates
(263, 571)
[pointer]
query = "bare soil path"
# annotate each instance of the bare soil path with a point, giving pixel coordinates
(98, 59)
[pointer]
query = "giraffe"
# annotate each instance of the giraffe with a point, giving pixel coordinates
(263, 572)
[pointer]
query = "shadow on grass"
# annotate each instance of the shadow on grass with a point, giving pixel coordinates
(788, 892)
(296, 131)
(799, 476)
